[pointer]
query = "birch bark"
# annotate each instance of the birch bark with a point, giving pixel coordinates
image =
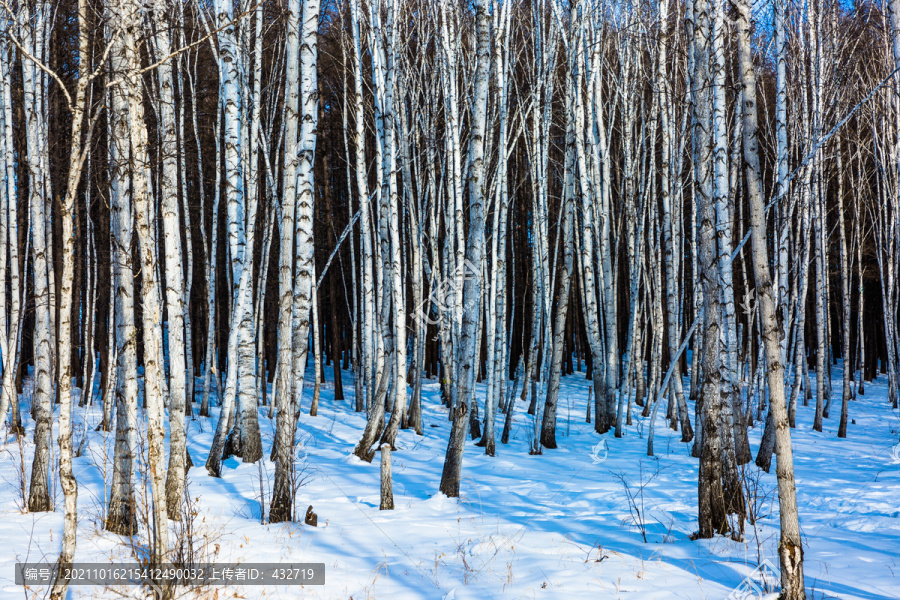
(154, 378)
(467, 359)
(790, 550)
(281, 507)
(68, 483)
(121, 512)
(32, 34)
(174, 261)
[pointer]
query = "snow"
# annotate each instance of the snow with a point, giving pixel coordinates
(558, 525)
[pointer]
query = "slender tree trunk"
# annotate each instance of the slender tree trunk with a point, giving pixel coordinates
(397, 268)
(168, 184)
(847, 369)
(671, 228)
(8, 398)
(790, 550)
(468, 358)
(67, 480)
(281, 507)
(42, 410)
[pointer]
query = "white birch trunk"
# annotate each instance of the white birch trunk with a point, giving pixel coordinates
(68, 483)
(121, 515)
(468, 358)
(12, 330)
(790, 549)
(154, 378)
(281, 507)
(670, 227)
(36, 150)
(397, 271)
(168, 186)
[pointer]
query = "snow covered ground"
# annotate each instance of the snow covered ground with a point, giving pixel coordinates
(552, 526)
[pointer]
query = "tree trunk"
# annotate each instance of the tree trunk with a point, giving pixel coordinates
(467, 358)
(790, 550)
(387, 492)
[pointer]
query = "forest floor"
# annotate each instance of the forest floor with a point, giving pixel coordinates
(558, 525)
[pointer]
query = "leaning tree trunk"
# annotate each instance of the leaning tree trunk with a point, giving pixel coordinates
(790, 549)
(558, 341)
(398, 301)
(468, 361)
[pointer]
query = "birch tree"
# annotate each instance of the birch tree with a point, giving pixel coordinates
(295, 288)
(77, 154)
(121, 511)
(467, 358)
(790, 548)
(174, 261)
(154, 383)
